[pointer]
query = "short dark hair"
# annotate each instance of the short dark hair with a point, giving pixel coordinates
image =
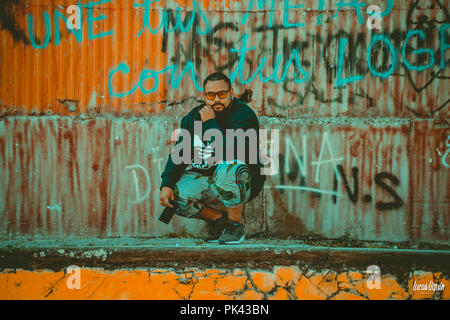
(216, 76)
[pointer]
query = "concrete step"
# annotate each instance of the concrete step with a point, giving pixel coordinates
(184, 253)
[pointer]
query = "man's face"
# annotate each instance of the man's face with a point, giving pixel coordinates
(220, 92)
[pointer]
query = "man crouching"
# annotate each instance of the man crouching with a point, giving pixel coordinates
(215, 191)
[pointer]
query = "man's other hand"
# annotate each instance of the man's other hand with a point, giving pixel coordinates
(207, 113)
(166, 195)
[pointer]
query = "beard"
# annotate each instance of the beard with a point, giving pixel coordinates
(218, 105)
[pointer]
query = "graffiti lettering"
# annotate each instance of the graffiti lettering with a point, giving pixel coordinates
(139, 197)
(444, 157)
(397, 203)
(148, 74)
(379, 177)
(300, 163)
(355, 4)
(167, 19)
(381, 57)
(444, 44)
(332, 160)
(261, 5)
(77, 30)
(286, 22)
(421, 34)
(353, 195)
(352, 188)
(239, 70)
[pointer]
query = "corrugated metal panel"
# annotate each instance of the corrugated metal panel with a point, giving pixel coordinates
(96, 175)
(430, 181)
(351, 199)
(40, 80)
(94, 178)
(101, 178)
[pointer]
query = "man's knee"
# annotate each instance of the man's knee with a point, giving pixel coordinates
(188, 193)
(188, 208)
(232, 182)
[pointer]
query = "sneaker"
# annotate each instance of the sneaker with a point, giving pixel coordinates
(233, 234)
(215, 228)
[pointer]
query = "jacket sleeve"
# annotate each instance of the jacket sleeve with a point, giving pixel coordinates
(172, 172)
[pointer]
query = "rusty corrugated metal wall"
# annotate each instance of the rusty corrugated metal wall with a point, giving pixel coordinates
(87, 115)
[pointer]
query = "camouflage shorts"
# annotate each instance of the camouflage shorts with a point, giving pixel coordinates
(228, 187)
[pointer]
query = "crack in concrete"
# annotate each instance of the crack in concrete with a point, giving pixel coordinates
(242, 284)
(52, 286)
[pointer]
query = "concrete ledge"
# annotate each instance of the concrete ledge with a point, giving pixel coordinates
(111, 254)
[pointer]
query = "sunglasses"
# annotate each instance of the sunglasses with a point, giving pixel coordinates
(220, 94)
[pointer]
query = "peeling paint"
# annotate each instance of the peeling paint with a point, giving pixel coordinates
(100, 253)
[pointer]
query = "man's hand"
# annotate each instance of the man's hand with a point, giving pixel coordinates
(166, 195)
(207, 113)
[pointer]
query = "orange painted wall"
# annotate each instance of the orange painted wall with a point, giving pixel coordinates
(282, 283)
(36, 80)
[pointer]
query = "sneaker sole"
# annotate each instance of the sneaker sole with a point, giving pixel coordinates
(234, 241)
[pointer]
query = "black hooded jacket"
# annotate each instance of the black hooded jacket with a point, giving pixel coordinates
(237, 116)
